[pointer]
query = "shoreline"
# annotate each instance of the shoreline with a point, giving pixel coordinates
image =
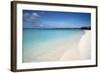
(56, 50)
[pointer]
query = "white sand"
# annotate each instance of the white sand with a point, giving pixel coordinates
(80, 50)
(85, 46)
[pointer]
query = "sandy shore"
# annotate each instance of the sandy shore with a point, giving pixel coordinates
(80, 50)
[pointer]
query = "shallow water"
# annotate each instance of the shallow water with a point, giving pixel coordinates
(35, 41)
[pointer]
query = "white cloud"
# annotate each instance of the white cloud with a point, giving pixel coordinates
(35, 14)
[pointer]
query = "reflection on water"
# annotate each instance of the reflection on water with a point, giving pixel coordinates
(48, 45)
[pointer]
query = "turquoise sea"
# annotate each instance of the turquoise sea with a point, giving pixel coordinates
(34, 38)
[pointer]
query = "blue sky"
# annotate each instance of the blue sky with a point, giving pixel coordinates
(52, 19)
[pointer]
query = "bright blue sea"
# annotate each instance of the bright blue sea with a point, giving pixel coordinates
(33, 38)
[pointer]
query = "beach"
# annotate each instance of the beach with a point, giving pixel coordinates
(56, 46)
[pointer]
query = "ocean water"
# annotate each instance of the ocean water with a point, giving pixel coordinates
(38, 42)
